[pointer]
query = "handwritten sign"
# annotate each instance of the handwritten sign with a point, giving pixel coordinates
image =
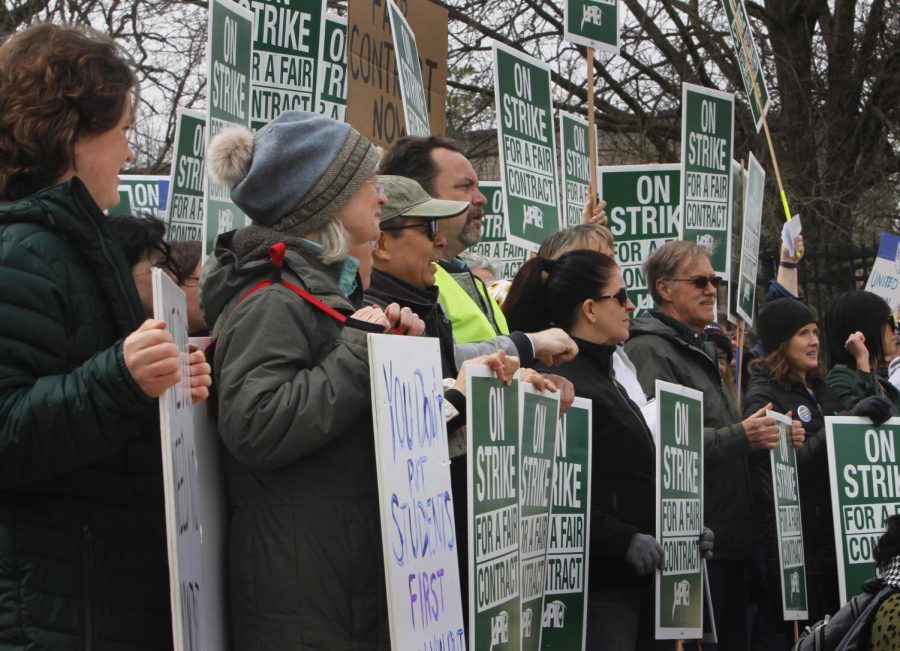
(416, 503)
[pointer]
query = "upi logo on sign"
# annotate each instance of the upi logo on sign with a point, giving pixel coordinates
(526, 622)
(554, 614)
(500, 628)
(533, 215)
(591, 14)
(682, 595)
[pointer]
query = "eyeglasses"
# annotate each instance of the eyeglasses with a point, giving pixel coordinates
(891, 321)
(621, 296)
(431, 229)
(379, 188)
(700, 282)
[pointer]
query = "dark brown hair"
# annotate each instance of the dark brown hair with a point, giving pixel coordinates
(779, 370)
(57, 83)
(411, 157)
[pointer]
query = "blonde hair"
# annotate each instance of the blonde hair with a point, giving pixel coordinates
(334, 240)
(580, 237)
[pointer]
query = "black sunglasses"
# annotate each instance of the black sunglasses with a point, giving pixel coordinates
(700, 282)
(891, 321)
(431, 229)
(621, 296)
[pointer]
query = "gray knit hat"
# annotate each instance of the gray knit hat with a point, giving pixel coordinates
(296, 172)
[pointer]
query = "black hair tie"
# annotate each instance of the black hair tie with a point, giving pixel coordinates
(547, 265)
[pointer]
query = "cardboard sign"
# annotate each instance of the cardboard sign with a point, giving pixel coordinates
(374, 82)
(748, 59)
(753, 205)
(643, 205)
(142, 195)
(884, 279)
(679, 512)
(194, 494)
(707, 143)
(286, 55)
(495, 243)
(412, 88)
(576, 165)
(564, 620)
(188, 177)
(865, 491)
(332, 74)
(539, 415)
(786, 492)
(593, 23)
(416, 503)
(527, 145)
(493, 468)
(230, 52)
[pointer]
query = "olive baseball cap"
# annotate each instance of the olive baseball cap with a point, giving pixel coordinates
(406, 198)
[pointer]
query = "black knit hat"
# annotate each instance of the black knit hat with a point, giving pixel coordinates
(780, 319)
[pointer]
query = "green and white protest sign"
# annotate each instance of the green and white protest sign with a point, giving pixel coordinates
(332, 74)
(786, 492)
(753, 205)
(643, 205)
(865, 491)
(416, 502)
(494, 243)
(187, 178)
(493, 479)
(539, 414)
(564, 621)
(679, 511)
(142, 195)
(230, 51)
(527, 144)
(593, 23)
(412, 88)
(707, 142)
(286, 55)
(748, 59)
(576, 165)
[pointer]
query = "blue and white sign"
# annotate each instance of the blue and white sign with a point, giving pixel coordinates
(885, 277)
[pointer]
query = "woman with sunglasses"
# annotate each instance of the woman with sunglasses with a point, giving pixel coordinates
(860, 334)
(583, 293)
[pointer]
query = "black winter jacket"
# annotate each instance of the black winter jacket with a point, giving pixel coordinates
(815, 492)
(623, 468)
(82, 532)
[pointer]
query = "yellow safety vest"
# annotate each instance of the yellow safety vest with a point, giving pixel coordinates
(469, 322)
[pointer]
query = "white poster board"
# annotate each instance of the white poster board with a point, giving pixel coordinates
(416, 502)
(196, 516)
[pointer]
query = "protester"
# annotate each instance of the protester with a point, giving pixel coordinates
(860, 333)
(83, 559)
(481, 266)
(583, 292)
(724, 353)
(440, 167)
(789, 378)
(186, 261)
(591, 237)
(668, 344)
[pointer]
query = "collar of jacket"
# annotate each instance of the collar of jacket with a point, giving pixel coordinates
(657, 323)
(599, 354)
(69, 211)
(387, 287)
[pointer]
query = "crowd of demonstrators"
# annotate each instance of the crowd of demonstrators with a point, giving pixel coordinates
(82, 530)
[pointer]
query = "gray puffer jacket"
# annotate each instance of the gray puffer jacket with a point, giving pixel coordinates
(663, 349)
(305, 563)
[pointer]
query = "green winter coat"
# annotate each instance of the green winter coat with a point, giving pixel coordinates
(305, 564)
(82, 532)
(663, 349)
(852, 385)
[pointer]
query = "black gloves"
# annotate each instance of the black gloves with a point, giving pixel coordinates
(878, 408)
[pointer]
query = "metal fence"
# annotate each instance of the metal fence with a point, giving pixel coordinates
(823, 274)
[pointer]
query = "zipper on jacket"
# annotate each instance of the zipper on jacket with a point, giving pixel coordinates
(87, 556)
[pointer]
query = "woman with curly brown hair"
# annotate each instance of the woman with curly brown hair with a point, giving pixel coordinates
(82, 533)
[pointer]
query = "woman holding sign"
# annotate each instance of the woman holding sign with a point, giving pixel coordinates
(82, 532)
(583, 293)
(789, 378)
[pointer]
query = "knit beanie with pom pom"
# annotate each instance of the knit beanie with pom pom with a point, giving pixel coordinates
(295, 173)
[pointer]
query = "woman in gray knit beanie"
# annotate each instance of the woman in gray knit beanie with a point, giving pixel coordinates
(305, 567)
